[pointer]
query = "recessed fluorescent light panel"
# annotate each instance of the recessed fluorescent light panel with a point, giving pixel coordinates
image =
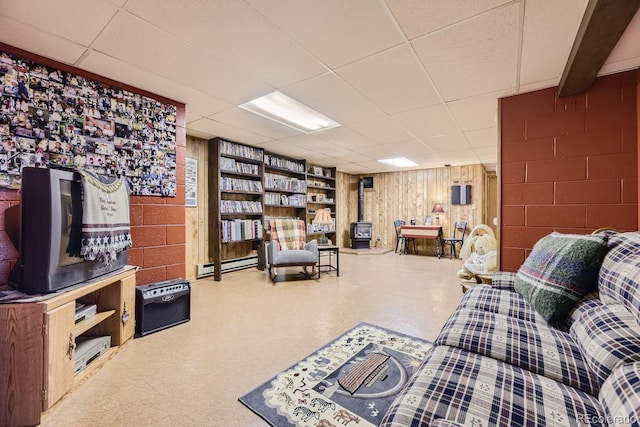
(399, 162)
(280, 108)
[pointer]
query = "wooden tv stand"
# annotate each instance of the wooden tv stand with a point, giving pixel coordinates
(37, 343)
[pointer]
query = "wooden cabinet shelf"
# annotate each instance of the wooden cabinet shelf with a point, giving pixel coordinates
(38, 342)
(86, 324)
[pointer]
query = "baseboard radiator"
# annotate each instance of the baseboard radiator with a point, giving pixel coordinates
(228, 265)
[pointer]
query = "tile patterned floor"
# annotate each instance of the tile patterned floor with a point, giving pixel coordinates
(244, 329)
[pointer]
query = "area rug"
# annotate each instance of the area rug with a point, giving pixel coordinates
(353, 379)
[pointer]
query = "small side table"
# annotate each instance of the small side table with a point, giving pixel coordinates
(330, 250)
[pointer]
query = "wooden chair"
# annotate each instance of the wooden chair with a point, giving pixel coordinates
(459, 231)
(288, 247)
(402, 243)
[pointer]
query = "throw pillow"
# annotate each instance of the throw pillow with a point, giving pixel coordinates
(560, 270)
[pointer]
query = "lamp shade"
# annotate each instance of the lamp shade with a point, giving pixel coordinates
(437, 208)
(323, 216)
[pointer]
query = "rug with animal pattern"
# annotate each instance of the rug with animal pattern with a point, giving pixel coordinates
(352, 380)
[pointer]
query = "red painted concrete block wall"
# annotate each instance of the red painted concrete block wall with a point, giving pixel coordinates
(157, 223)
(568, 164)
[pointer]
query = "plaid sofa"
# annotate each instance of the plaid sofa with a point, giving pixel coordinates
(497, 362)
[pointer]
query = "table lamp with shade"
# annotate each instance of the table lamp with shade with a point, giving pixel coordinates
(437, 209)
(322, 218)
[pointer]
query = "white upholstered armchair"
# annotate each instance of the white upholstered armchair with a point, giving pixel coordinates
(288, 248)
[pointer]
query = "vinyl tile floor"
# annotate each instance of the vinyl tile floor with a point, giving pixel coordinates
(244, 330)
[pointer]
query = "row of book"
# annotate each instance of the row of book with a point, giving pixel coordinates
(279, 162)
(237, 184)
(238, 150)
(230, 165)
(319, 228)
(294, 200)
(279, 182)
(240, 206)
(241, 229)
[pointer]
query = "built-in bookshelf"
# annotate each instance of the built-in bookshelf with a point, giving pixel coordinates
(321, 194)
(285, 186)
(248, 186)
(236, 204)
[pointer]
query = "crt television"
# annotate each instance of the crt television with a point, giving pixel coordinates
(50, 234)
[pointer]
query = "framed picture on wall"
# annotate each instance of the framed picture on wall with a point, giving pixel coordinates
(191, 182)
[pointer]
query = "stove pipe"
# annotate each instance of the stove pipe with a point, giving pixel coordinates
(361, 200)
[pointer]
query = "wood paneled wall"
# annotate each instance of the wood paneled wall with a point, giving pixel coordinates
(396, 195)
(196, 218)
(411, 195)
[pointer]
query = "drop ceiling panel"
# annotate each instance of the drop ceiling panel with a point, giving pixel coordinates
(345, 137)
(483, 137)
(628, 48)
(394, 80)
(449, 142)
(243, 119)
(251, 42)
(477, 112)
(281, 147)
(335, 31)
(427, 122)
(330, 95)
(139, 43)
(382, 129)
(475, 58)
(347, 156)
(79, 21)
(418, 17)
(353, 168)
(312, 143)
(213, 128)
(196, 101)
(456, 158)
(550, 27)
(37, 41)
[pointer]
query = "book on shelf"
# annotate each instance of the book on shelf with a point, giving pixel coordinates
(282, 163)
(237, 184)
(284, 183)
(240, 206)
(231, 165)
(241, 229)
(239, 150)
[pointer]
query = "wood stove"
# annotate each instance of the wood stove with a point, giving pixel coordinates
(361, 232)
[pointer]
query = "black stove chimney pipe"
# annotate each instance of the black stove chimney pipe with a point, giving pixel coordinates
(361, 200)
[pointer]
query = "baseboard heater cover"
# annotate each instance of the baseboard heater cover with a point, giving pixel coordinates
(228, 265)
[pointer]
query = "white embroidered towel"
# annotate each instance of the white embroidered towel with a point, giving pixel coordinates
(106, 229)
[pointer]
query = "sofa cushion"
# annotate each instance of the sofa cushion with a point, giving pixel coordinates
(620, 395)
(559, 271)
(590, 300)
(536, 347)
(504, 280)
(471, 389)
(619, 280)
(493, 300)
(608, 336)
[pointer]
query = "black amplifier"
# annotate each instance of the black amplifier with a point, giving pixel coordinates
(162, 305)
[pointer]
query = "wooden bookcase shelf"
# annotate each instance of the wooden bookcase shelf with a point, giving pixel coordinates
(38, 343)
(249, 184)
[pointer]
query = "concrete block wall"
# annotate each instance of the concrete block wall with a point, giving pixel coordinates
(568, 164)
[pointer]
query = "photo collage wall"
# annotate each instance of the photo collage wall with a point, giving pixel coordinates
(51, 118)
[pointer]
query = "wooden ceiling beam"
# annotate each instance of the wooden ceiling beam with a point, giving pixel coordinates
(602, 25)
